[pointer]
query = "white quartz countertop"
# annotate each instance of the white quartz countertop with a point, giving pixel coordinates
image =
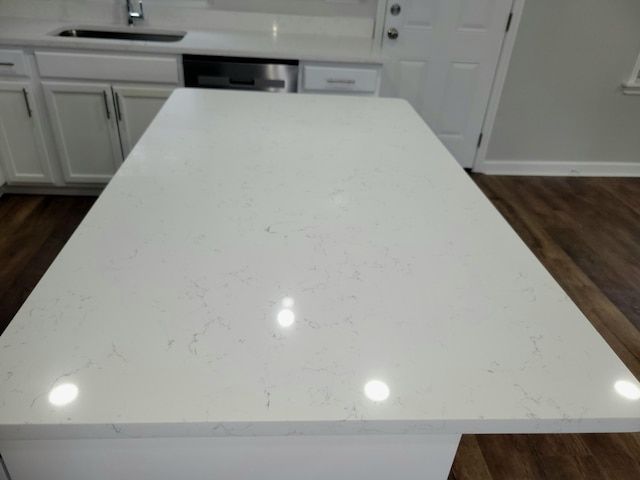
(38, 33)
(163, 307)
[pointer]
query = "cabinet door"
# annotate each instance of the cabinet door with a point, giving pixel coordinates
(136, 107)
(22, 147)
(84, 125)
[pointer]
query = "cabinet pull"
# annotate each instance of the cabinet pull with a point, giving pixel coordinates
(26, 101)
(6, 64)
(106, 104)
(345, 81)
(118, 107)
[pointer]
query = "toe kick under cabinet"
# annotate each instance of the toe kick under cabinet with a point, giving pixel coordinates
(100, 105)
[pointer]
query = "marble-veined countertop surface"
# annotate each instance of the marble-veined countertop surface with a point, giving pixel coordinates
(296, 46)
(165, 307)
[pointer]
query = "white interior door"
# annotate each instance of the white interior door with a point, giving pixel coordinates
(443, 61)
(136, 108)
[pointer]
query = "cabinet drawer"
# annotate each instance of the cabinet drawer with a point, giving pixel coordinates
(342, 79)
(13, 63)
(126, 68)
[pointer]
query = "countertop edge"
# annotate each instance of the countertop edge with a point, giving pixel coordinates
(314, 428)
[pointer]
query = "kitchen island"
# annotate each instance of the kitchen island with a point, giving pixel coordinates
(293, 286)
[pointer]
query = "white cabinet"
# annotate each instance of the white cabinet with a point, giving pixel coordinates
(136, 107)
(109, 67)
(339, 78)
(22, 146)
(97, 123)
(13, 63)
(85, 129)
(23, 151)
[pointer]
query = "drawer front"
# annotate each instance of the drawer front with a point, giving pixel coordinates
(340, 79)
(13, 63)
(126, 68)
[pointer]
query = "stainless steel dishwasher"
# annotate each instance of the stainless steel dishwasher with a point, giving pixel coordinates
(238, 73)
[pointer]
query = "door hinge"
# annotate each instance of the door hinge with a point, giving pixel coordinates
(479, 141)
(509, 21)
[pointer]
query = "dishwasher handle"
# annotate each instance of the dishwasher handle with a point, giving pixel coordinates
(224, 82)
(241, 82)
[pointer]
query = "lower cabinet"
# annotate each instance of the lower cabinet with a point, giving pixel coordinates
(85, 129)
(96, 125)
(136, 107)
(23, 153)
(339, 78)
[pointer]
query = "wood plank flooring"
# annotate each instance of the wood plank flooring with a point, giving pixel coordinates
(33, 230)
(586, 231)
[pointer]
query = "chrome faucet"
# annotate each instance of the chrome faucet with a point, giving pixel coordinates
(132, 14)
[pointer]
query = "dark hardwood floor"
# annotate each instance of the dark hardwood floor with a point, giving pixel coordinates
(586, 231)
(33, 230)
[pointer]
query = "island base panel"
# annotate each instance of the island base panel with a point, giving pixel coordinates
(424, 457)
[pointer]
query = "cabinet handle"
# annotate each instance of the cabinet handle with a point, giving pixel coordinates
(6, 64)
(106, 104)
(118, 107)
(345, 81)
(26, 101)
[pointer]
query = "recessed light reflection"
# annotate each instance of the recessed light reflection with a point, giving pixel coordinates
(627, 389)
(286, 317)
(376, 390)
(63, 394)
(287, 302)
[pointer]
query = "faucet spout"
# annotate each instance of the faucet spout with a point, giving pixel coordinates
(132, 14)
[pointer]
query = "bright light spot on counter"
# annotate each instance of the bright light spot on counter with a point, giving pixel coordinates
(275, 29)
(627, 390)
(376, 390)
(286, 317)
(287, 302)
(63, 394)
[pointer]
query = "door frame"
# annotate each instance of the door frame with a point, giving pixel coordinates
(498, 80)
(498, 84)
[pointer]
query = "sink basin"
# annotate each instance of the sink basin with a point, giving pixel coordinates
(144, 36)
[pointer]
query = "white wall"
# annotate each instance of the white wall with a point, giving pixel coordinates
(562, 99)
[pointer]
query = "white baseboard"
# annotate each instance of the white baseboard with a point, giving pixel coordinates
(561, 169)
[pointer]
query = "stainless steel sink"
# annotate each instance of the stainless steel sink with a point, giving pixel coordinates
(141, 36)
